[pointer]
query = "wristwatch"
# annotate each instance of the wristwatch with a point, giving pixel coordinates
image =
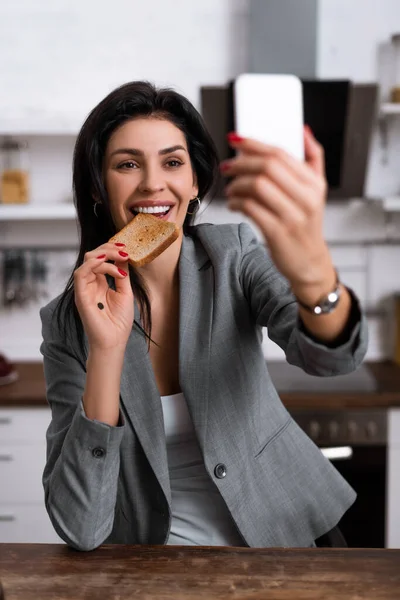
(326, 304)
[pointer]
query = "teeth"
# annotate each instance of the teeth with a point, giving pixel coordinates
(151, 209)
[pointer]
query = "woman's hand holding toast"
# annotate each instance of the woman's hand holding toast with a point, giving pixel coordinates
(107, 314)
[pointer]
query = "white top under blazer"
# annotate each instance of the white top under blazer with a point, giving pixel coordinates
(199, 514)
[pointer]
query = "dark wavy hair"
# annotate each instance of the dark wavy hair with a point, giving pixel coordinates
(130, 101)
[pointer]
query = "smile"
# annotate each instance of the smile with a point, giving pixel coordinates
(158, 211)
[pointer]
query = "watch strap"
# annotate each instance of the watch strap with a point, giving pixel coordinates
(326, 304)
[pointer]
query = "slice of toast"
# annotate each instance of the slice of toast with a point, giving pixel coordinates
(145, 237)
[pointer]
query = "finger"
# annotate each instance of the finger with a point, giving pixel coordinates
(248, 145)
(251, 147)
(315, 156)
(106, 268)
(269, 196)
(268, 223)
(280, 174)
(110, 250)
(90, 269)
(123, 284)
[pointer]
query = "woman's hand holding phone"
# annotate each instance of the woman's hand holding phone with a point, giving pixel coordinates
(285, 197)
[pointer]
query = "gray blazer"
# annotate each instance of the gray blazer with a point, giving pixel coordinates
(111, 484)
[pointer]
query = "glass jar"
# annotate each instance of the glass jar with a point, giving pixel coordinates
(396, 70)
(14, 172)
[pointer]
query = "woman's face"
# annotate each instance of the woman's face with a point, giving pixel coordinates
(147, 168)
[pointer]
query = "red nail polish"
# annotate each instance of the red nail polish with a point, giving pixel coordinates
(234, 137)
(124, 273)
(124, 254)
(224, 166)
(119, 244)
(102, 256)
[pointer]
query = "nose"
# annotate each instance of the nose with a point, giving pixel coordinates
(152, 180)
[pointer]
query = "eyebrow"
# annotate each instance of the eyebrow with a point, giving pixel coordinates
(136, 152)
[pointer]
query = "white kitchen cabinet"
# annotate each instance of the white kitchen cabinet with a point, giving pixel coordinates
(23, 517)
(25, 426)
(393, 480)
(21, 467)
(26, 523)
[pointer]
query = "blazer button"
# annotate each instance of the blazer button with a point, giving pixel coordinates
(220, 471)
(98, 452)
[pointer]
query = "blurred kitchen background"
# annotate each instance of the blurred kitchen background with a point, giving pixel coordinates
(58, 60)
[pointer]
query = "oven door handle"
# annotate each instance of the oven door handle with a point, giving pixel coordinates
(338, 452)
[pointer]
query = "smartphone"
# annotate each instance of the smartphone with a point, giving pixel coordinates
(269, 108)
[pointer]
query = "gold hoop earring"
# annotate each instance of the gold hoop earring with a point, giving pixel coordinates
(197, 199)
(95, 208)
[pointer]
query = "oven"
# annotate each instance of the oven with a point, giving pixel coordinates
(356, 444)
(355, 440)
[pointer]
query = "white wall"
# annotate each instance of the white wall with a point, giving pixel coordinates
(59, 59)
(349, 36)
(354, 42)
(63, 57)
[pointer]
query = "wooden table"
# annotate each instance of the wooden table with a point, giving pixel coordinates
(30, 391)
(44, 572)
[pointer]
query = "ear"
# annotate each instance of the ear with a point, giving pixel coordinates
(195, 188)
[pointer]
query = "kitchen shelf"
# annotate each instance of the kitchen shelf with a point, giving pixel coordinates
(387, 110)
(391, 204)
(387, 204)
(40, 126)
(37, 212)
(390, 108)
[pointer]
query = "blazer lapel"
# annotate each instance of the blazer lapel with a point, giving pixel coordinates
(140, 397)
(141, 400)
(196, 312)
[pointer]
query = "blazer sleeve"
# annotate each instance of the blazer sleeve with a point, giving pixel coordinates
(82, 466)
(274, 306)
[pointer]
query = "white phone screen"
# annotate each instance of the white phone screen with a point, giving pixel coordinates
(270, 108)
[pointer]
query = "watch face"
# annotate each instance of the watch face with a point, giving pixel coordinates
(325, 305)
(329, 303)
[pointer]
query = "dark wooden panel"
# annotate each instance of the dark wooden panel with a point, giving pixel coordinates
(32, 572)
(361, 117)
(346, 138)
(28, 390)
(216, 110)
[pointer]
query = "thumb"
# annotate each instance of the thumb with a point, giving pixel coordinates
(314, 152)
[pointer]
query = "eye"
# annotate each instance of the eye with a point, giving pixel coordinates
(173, 163)
(129, 164)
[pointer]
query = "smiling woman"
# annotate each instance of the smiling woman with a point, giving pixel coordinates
(166, 427)
(140, 146)
(156, 176)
